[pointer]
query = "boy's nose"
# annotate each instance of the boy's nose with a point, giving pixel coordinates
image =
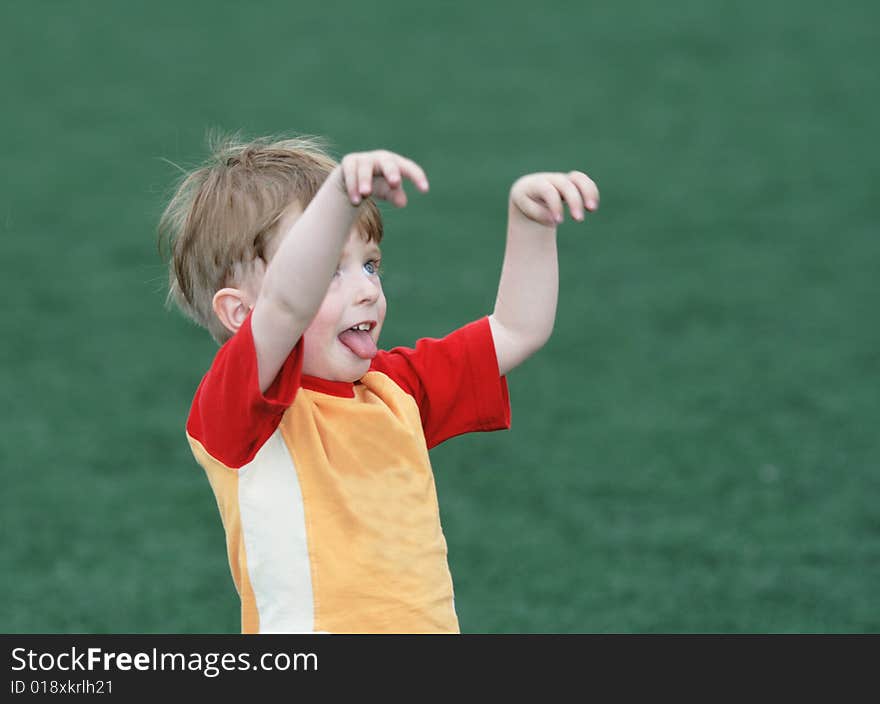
(366, 290)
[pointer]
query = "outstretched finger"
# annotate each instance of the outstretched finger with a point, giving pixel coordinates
(587, 187)
(570, 195)
(413, 172)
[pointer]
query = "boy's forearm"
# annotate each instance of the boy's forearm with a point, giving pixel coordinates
(525, 308)
(297, 278)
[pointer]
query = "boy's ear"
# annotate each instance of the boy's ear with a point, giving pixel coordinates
(232, 306)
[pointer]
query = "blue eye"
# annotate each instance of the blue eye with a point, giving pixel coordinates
(372, 267)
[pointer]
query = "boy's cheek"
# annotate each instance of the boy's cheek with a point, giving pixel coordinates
(314, 352)
(383, 308)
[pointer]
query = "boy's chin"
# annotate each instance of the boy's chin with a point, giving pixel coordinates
(353, 370)
(348, 372)
(362, 368)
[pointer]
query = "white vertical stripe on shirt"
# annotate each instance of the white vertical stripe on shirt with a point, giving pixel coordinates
(274, 530)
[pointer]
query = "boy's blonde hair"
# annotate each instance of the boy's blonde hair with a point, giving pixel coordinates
(224, 214)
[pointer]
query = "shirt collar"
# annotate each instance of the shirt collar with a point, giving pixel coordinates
(344, 389)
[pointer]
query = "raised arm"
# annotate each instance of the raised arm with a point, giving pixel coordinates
(298, 275)
(525, 308)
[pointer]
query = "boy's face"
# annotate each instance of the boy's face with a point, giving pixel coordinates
(332, 350)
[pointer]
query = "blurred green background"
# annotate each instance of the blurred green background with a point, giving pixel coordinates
(695, 450)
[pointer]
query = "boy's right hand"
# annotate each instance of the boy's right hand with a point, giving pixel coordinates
(380, 174)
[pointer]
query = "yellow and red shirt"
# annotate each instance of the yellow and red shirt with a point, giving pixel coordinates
(325, 488)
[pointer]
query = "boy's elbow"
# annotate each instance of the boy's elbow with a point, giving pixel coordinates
(527, 345)
(284, 310)
(520, 349)
(541, 338)
(521, 341)
(537, 335)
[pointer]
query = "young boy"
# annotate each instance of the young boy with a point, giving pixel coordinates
(314, 441)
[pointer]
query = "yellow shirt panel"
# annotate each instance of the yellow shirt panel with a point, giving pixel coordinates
(378, 554)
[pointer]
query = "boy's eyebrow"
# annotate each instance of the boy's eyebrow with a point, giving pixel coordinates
(372, 251)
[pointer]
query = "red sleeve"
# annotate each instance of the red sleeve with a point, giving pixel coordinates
(455, 382)
(229, 416)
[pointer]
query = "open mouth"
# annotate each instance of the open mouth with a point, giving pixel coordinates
(359, 340)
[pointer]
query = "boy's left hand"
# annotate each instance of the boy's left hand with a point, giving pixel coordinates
(539, 197)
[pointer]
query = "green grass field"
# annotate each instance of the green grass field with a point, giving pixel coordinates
(695, 450)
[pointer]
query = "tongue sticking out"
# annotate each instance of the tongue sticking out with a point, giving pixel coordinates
(360, 342)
